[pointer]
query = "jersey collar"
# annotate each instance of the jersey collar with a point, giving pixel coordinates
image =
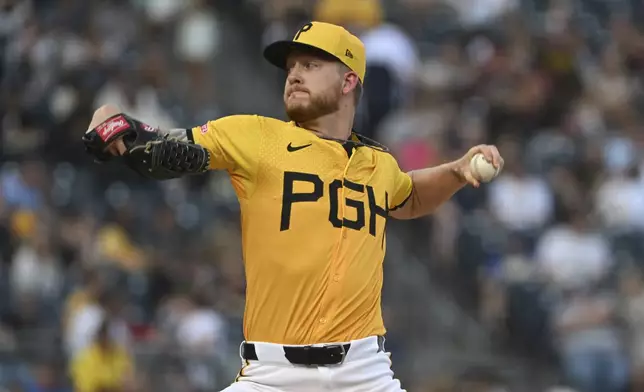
(356, 139)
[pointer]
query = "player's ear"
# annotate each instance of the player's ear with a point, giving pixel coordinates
(351, 81)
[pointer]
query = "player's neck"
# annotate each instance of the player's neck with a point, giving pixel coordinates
(335, 125)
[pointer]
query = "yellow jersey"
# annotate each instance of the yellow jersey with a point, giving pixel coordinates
(313, 220)
(95, 369)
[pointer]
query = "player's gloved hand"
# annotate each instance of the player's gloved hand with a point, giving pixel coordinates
(114, 133)
(463, 170)
(141, 147)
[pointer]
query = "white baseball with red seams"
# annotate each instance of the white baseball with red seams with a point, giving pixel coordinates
(483, 170)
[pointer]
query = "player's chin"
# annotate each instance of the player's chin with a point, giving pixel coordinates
(299, 112)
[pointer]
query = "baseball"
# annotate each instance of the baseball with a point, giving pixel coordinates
(483, 170)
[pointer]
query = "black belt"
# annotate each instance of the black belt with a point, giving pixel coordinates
(309, 355)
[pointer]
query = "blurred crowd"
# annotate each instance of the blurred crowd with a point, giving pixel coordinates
(94, 260)
(110, 283)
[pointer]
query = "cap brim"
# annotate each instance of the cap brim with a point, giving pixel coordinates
(277, 53)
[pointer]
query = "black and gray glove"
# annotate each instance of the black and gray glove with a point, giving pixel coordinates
(147, 152)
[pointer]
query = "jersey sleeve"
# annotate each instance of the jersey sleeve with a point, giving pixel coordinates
(402, 187)
(233, 142)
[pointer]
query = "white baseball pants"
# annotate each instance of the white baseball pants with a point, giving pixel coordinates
(365, 369)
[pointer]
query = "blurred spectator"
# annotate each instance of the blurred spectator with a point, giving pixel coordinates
(416, 133)
(393, 64)
(359, 15)
(445, 73)
(87, 294)
(589, 341)
(103, 366)
(475, 13)
(620, 201)
(197, 20)
(573, 253)
(21, 188)
(522, 202)
(131, 96)
(115, 246)
(201, 335)
(163, 11)
(610, 85)
(632, 290)
(36, 270)
(201, 329)
(84, 325)
(44, 377)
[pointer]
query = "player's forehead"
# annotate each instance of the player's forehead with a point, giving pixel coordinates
(303, 55)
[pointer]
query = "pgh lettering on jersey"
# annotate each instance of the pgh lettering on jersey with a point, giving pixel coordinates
(313, 227)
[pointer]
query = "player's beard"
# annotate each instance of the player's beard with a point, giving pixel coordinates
(318, 105)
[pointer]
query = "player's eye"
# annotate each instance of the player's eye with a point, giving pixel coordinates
(310, 65)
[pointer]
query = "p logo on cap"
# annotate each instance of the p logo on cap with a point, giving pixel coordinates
(329, 38)
(304, 29)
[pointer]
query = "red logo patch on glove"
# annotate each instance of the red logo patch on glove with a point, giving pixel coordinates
(111, 127)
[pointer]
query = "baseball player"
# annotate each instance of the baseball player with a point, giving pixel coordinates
(315, 198)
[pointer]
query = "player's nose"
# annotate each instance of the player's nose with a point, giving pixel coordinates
(294, 76)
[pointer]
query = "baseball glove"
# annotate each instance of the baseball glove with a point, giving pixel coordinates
(148, 152)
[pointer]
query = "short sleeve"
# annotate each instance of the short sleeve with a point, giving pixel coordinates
(402, 186)
(233, 142)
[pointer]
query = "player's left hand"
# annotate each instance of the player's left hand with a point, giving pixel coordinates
(463, 169)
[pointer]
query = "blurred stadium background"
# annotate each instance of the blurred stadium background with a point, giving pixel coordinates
(532, 283)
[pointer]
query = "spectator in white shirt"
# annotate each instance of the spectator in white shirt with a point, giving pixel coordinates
(521, 201)
(198, 36)
(201, 329)
(572, 254)
(35, 271)
(620, 201)
(201, 334)
(85, 323)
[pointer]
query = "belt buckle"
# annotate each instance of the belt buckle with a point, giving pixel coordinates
(343, 352)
